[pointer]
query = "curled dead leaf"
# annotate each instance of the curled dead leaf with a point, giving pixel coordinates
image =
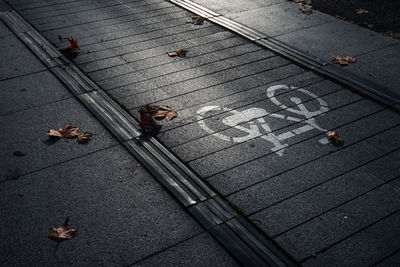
(335, 138)
(63, 231)
(148, 114)
(55, 133)
(73, 43)
(66, 132)
(85, 137)
(343, 60)
(179, 52)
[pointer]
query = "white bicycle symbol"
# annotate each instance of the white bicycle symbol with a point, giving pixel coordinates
(253, 117)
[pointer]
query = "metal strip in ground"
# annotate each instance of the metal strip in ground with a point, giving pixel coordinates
(239, 237)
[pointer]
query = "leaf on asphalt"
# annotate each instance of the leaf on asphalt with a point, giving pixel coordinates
(63, 231)
(197, 20)
(171, 115)
(148, 114)
(73, 43)
(138, 165)
(70, 132)
(85, 137)
(66, 132)
(361, 11)
(179, 52)
(335, 138)
(55, 133)
(343, 60)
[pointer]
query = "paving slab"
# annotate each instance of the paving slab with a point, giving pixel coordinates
(259, 169)
(199, 251)
(29, 91)
(153, 94)
(122, 213)
(373, 244)
(344, 39)
(275, 20)
(347, 219)
(391, 260)
(37, 148)
(16, 59)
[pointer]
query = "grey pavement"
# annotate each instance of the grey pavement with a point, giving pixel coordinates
(320, 35)
(125, 217)
(251, 123)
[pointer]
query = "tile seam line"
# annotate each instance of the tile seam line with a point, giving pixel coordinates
(125, 22)
(167, 248)
(158, 55)
(29, 8)
(318, 184)
(299, 142)
(253, 240)
(81, 37)
(337, 206)
(16, 178)
(89, 22)
(279, 129)
(38, 106)
(179, 21)
(178, 71)
(147, 40)
(355, 233)
(317, 158)
(354, 81)
(386, 257)
(173, 62)
(213, 73)
(79, 11)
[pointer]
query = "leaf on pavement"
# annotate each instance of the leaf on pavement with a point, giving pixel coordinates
(343, 60)
(85, 137)
(335, 138)
(179, 52)
(66, 132)
(361, 11)
(63, 231)
(73, 43)
(148, 114)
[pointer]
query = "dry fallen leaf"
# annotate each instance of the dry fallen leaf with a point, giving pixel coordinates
(343, 60)
(148, 114)
(85, 137)
(361, 11)
(73, 43)
(335, 138)
(63, 231)
(138, 165)
(71, 132)
(66, 132)
(179, 52)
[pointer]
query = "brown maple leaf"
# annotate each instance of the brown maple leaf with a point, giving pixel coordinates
(343, 60)
(179, 52)
(63, 231)
(66, 132)
(85, 137)
(148, 114)
(73, 43)
(335, 138)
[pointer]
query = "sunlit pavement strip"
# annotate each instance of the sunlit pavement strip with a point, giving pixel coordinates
(254, 126)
